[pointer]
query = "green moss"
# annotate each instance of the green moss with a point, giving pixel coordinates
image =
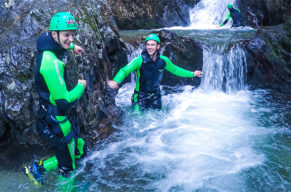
(91, 22)
(149, 25)
(22, 78)
(272, 53)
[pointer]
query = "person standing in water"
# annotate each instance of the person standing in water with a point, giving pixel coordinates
(149, 67)
(235, 14)
(55, 122)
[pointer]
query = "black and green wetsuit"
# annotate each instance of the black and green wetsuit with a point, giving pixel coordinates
(55, 105)
(235, 14)
(149, 75)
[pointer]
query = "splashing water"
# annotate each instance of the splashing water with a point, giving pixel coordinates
(199, 141)
(220, 137)
(224, 72)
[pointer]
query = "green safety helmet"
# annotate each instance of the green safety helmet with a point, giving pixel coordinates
(154, 37)
(229, 6)
(63, 21)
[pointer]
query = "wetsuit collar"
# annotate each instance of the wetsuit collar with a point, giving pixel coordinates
(231, 9)
(146, 57)
(46, 43)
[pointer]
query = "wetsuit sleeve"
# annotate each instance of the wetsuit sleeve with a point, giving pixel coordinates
(52, 71)
(226, 20)
(175, 69)
(126, 70)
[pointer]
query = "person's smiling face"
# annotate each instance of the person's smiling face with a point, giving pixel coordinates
(152, 47)
(65, 38)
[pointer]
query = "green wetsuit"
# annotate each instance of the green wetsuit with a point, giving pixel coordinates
(235, 14)
(149, 75)
(56, 102)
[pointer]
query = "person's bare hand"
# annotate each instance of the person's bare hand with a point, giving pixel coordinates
(197, 73)
(83, 82)
(112, 84)
(79, 50)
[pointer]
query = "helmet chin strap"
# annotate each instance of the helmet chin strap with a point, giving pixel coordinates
(58, 33)
(59, 41)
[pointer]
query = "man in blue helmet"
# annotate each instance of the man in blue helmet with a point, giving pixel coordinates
(149, 67)
(235, 14)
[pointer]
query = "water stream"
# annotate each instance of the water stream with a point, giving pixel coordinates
(220, 137)
(208, 14)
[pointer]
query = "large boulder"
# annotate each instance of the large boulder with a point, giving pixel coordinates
(269, 58)
(265, 12)
(136, 14)
(184, 52)
(21, 22)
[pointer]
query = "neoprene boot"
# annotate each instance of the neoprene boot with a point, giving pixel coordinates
(35, 172)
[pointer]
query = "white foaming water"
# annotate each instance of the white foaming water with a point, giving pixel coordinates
(224, 71)
(209, 142)
(199, 140)
(209, 14)
(203, 139)
(219, 137)
(132, 52)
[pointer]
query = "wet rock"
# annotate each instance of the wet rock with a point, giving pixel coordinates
(136, 14)
(264, 12)
(21, 22)
(269, 58)
(184, 52)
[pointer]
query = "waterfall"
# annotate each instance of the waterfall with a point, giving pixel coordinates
(224, 62)
(132, 53)
(208, 14)
(224, 71)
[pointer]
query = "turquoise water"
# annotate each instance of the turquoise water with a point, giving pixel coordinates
(207, 139)
(209, 142)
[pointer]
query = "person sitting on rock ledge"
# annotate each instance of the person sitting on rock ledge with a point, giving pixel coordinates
(235, 14)
(55, 119)
(149, 67)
